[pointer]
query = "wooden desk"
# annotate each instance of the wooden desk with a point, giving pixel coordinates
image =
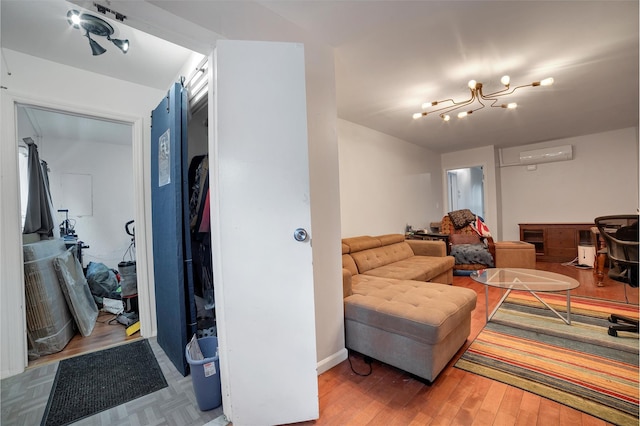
(556, 242)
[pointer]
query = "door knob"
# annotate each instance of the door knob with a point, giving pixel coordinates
(300, 234)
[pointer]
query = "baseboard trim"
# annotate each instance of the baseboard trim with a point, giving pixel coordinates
(5, 374)
(332, 360)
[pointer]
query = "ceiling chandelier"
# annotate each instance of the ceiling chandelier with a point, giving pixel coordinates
(97, 26)
(478, 99)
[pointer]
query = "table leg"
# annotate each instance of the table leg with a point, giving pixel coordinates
(567, 320)
(486, 302)
(600, 258)
(504, 296)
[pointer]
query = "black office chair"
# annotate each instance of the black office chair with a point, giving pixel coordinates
(620, 233)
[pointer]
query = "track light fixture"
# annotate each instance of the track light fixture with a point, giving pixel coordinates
(104, 10)
(97, 26)
(477, 99)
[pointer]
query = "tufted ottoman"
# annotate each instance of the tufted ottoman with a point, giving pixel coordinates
(413, 325)
(515, 254)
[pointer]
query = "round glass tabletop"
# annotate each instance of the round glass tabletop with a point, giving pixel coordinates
(524, 279)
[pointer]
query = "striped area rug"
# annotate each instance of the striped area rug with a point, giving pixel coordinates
(579, 365)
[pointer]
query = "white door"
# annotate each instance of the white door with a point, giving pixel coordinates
(263, 276)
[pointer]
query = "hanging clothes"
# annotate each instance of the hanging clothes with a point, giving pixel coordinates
(199, 221)
(199, 190)
(39, 216)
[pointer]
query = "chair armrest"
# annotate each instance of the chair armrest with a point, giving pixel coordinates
(428, 248)
(492, 248)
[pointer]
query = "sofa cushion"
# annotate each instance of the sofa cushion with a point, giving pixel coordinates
(345, 248)
(381, 256)
(425, 312)
(421, 268)
(390, 239)
(349, 264)
(361, 243)
(346, 283)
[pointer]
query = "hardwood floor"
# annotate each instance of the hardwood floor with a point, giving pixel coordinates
(104, 335)
(392, 397)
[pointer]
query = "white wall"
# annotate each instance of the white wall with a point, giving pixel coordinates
(386, 183)
(112, 198)
(485, 157)
(44, 83)
(602, 179)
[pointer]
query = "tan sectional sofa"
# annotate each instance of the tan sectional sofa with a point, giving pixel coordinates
(391, 256)
(399, 305)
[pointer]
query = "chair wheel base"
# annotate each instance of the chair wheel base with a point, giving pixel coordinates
(612, 332)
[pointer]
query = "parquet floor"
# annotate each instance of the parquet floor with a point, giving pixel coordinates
(387, 397)
(24, 399)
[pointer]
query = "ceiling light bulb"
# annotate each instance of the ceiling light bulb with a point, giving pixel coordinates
(426, 105)
(505, 80)
(417, 115)
(512, 105)
(472, 84)
(446, 117)
(547, 81)
(123, 45)
(462, 114)
(73, 17)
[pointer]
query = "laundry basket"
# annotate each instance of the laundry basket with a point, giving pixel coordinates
(205, 373)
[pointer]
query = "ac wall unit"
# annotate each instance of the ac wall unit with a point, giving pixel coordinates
(547, 155)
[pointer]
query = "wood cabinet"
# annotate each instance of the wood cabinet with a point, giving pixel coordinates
(556, 242)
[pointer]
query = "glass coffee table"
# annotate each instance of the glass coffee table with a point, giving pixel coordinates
(530, 280)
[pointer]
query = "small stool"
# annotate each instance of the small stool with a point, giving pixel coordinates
(515, 254)
(130, 303)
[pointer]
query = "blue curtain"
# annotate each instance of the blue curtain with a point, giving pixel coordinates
(39, 216)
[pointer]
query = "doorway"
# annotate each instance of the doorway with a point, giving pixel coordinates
(465, 189)
(90, 168)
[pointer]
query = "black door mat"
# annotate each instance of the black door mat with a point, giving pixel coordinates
(91, 383)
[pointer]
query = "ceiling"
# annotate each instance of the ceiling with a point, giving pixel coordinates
(70, 47)
(391, 56)
(61, 126)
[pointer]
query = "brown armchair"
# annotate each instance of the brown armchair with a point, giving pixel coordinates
(462, 235)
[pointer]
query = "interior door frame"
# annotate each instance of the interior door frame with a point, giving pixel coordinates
(16, 294)
(447, 186)
(452, 182)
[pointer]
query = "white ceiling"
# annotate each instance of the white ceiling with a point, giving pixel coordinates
(40, 28)
(391, 56)
(63, 126)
